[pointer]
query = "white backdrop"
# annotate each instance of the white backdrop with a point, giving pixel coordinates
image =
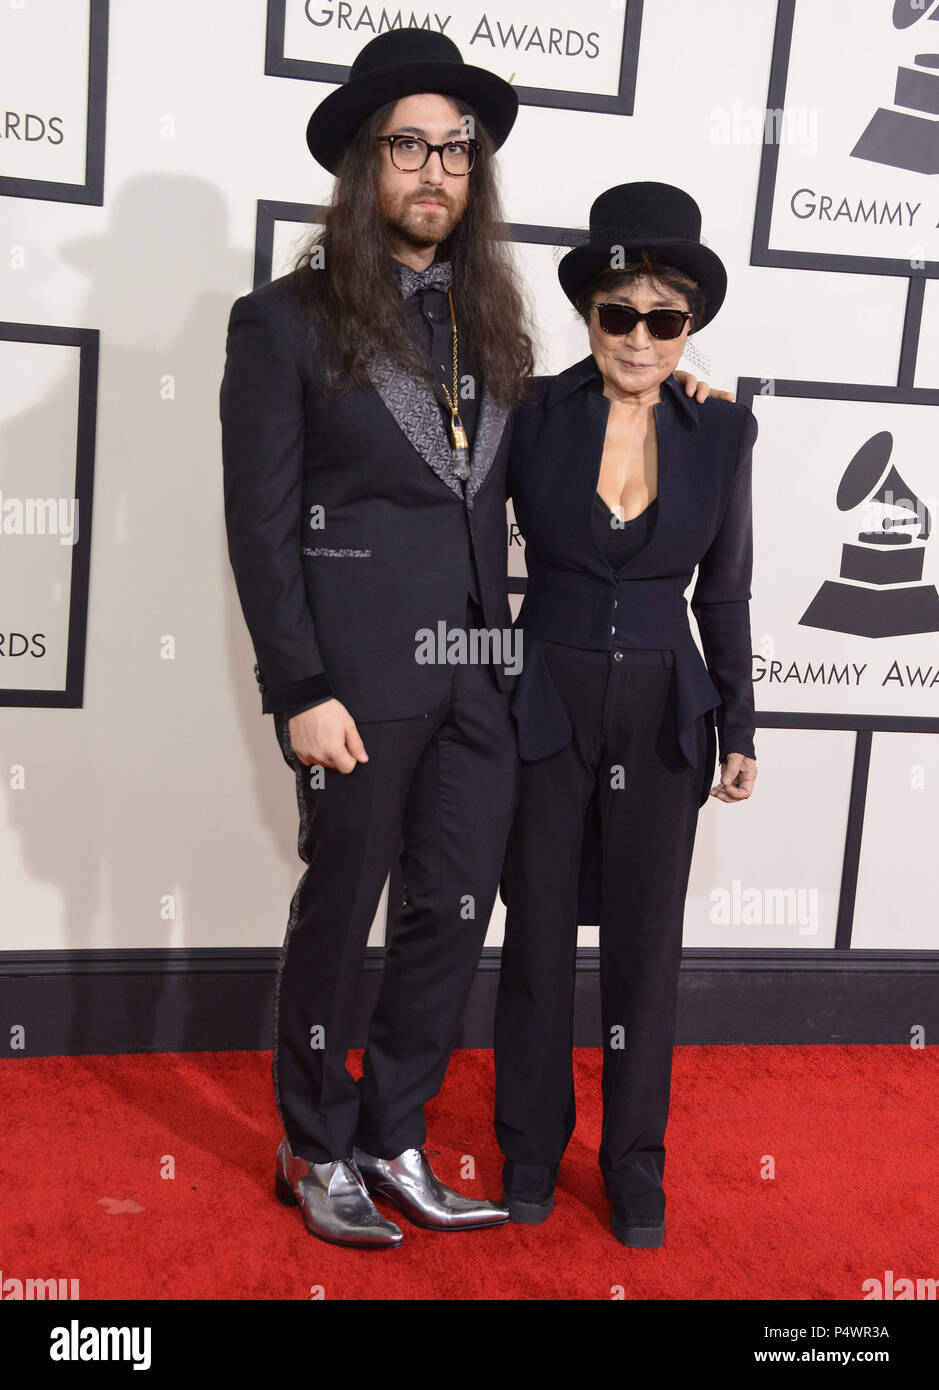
(160, 813)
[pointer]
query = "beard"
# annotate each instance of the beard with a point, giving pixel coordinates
(420, 226)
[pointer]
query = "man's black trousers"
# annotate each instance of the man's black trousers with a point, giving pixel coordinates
(621, 706)
(444, 783)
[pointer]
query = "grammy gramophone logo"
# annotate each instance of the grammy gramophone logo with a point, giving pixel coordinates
(908, 137)
(883, 595)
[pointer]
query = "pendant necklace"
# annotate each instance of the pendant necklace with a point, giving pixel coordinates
(459, 443)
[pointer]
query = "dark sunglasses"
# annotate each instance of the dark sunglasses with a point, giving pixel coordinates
(661, 323)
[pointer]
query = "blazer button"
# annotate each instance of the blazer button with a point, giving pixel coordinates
(617, 655)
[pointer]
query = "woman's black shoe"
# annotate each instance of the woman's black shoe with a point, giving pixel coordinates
(639, 1221)
(528, 1191)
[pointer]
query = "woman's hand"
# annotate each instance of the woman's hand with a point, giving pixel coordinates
(738, 774)
(700, 389)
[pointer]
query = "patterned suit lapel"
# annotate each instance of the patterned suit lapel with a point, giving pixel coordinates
(490, 425)
(412, 405)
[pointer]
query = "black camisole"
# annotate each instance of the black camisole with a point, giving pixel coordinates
(621, 542)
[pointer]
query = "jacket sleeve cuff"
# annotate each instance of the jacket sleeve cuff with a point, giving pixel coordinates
(731, 741)
(283, 697)
(301, 709)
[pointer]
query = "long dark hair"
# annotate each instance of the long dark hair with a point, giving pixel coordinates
(352, 297)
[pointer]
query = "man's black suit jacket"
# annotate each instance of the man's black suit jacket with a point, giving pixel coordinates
(348, 533)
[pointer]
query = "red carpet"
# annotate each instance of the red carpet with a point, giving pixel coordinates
(851, 1131)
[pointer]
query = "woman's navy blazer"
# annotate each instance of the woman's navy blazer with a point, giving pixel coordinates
(575, 597)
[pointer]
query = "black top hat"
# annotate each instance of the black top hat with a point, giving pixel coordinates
(398, 64)
(652, 217)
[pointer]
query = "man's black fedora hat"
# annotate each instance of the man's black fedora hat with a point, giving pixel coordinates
(653, 217)
(398, 64)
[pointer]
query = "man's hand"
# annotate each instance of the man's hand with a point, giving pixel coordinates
(700, 389)
(738, 774)
(326, 735)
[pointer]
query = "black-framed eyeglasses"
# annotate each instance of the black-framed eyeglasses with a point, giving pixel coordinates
(661, 323)
(411, 152)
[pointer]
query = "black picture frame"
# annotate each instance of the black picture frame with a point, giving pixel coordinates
(270, 212)
(748, 388)
(86, 340)
(863, 726)
(91, 192)
(761, 253)
(619, 103)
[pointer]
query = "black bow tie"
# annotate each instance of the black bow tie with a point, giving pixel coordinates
(438, 276)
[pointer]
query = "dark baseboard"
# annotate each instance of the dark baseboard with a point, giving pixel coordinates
(71, 1003)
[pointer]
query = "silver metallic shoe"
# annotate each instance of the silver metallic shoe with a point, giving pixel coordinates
(411, 1183)
(333, 1201)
